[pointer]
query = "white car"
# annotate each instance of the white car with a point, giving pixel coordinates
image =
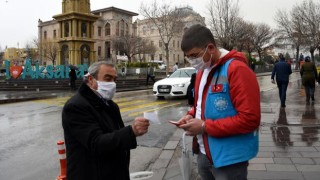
(175, 85)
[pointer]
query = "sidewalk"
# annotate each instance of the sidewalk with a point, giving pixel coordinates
(289, 146)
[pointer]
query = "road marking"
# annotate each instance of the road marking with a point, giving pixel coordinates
(126, 109)
(154, 109)
(123, 103)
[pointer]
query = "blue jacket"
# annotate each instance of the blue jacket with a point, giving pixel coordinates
(281, 70)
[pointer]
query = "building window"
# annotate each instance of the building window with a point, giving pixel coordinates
(66, 29)
(127, 29)
(152, 44)
(178, 44)
(107, 29)
(83, 29)
(174, 58)
(99, 50)
(54, 33)
(160, 43)
(144, 31)
(160, 57)
(45, 35)
(117, 28)
(173, 43)
(122, 28)
(99, 31)
(152, 57)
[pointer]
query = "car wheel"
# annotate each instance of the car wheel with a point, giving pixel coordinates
(160, 97)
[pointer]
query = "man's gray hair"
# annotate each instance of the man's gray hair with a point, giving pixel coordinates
(94, 68)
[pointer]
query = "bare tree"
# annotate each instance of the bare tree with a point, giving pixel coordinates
(49, 50)
(309, 13)
(223, 20)
(290, 28)
(133, 45)
(167, 21)
(262, 38)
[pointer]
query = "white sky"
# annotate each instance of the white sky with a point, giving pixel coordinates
(19, 18)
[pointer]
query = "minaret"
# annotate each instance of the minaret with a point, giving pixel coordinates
(76, 33)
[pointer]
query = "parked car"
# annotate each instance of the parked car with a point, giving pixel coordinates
(174, 85)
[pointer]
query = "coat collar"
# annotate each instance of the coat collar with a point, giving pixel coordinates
(91, 96)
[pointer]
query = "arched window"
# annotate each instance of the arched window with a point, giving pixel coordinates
(117, 28)
(122, 28)
(45, 35)
(127, 29)
(107, 29)
(83, 29)
(65, 55)
(85, 54)
(66, 29)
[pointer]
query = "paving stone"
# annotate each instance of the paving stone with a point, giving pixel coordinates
(316, 160)
(166, 154)
(268, 175)
(261, 161)
(308, 168)
(303, 149)
(265, 154)
(158, 174)
(257, 167)
(310, 154)
(302, 161)
(282, 160)
(171, 145)
(311, 175)
(160, 164)
(287, 154)
(280, 167)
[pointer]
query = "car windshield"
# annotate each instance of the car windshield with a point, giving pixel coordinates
(183, 73)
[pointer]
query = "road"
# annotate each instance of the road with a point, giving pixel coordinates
(29, 131)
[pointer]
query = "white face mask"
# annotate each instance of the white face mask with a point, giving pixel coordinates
(106, 89)
(198, 63)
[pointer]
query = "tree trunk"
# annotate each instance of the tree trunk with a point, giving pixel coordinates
(297, 58)
(167, 57)
(312, 54)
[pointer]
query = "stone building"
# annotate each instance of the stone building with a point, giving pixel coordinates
(81, 36)
(146, 29)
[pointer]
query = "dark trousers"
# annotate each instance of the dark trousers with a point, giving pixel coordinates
(282, 86)
(238, 171)
(151, 77)
(309, 89)
(73, 84)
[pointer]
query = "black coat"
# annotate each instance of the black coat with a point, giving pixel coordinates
(97, 143)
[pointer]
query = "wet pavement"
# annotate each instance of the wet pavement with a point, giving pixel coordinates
(289, 145)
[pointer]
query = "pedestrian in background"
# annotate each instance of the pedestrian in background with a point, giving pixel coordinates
(282, 71)
(150, 74)
(175, 67)
(97, 142)
(226, 114)
(73, 78)
(123, 71)
(309, 76)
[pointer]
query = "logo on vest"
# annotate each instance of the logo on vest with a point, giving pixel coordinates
(221, 103)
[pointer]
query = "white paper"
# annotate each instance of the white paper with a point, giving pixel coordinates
(152, 117)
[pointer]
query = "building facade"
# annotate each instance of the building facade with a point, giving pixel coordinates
(146, 29)
(79, 36)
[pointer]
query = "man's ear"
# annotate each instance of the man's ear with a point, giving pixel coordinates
(211, 48)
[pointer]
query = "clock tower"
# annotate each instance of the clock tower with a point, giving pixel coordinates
(76, 41)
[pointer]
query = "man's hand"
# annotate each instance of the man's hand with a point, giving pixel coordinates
(193, 127)
(272, 81)
(140, 126)
(184, 119)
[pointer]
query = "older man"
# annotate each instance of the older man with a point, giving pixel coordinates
(97, 142)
